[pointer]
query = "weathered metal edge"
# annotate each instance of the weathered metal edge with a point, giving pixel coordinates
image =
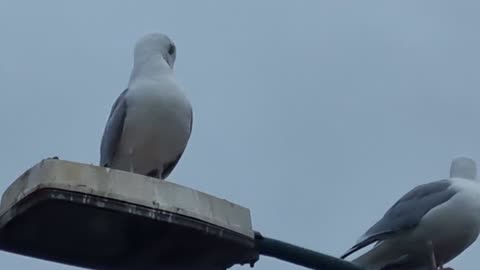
(38, 177)
(45, 194)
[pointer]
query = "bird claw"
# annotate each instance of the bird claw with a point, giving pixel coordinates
(54, 157)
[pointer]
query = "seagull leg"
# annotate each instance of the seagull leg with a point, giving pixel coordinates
(432, 258)
(130, 159)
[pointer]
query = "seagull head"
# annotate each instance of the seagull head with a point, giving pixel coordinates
(463, 167)
(155, 44)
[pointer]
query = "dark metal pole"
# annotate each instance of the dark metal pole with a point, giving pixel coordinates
(300, 256)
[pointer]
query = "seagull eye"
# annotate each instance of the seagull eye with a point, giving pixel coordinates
(171, 49)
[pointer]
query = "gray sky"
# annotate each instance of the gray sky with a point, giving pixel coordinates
(317, 116)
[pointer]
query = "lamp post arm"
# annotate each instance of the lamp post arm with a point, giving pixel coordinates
(300, 256)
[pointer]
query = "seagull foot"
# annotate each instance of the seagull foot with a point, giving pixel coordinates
(54, 157)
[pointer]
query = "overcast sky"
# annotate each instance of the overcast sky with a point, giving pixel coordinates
(315, 115)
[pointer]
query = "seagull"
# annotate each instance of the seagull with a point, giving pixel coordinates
(428, 226)
(150, 122)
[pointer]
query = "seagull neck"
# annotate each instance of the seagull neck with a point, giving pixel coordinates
(151, 67)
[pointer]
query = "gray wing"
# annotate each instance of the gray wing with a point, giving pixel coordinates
(406, 213)
(113, 130)
(168, 167)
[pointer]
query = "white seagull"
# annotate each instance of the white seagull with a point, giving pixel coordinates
(428, 226)
(150, 122)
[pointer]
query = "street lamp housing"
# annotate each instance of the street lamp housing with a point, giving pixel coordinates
(94, 217)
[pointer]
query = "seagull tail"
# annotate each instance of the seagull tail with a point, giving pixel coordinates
(378, 257)
(363, 242)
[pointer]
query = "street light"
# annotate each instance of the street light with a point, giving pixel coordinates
(94, 217)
